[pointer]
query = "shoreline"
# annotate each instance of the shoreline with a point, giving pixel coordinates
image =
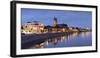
(29, 39)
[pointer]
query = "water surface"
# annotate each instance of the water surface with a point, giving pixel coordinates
(71, 40)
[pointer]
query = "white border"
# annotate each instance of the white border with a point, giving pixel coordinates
(38, 51)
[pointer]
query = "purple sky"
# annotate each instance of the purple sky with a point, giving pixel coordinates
(72, 18)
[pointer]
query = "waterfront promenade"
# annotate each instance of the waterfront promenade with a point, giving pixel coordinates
(32, 39)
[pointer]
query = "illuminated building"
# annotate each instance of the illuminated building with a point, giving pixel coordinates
(32, 27)
(57, 27)
(55, 22)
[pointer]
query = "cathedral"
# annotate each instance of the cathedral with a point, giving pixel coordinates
(38, 27)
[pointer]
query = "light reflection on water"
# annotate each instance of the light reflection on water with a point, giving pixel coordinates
(71, 40)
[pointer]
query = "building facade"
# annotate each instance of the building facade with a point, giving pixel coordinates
(33, 27)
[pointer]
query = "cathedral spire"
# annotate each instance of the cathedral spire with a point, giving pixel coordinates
(55, 22)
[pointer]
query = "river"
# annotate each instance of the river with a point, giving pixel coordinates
(75, 39)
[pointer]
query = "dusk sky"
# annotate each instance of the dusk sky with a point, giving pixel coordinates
(71, 18)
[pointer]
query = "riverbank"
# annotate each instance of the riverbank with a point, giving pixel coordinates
(31, 39)
(28, 39)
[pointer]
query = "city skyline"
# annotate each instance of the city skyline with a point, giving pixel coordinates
(71, 18)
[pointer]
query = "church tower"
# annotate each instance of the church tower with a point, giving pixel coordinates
(55, 22)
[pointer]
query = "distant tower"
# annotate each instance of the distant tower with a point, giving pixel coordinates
(55, 22)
